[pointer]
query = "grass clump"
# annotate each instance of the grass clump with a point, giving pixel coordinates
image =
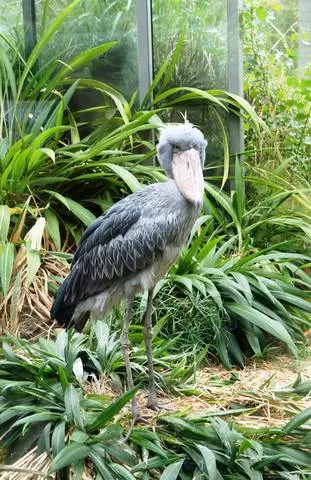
(53, 419)
(193, 320)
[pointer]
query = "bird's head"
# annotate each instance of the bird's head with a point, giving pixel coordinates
(181, 153)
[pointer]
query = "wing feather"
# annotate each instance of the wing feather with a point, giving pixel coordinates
(120, 243)
(114, 247)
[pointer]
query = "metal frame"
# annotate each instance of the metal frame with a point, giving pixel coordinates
(304, 27)
(144, 46)
(30, 30)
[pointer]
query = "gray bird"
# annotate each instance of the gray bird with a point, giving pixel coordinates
(132, 246)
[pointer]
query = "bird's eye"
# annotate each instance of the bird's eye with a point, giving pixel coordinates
(176, 148)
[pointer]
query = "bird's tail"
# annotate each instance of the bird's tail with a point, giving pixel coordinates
(62, 310)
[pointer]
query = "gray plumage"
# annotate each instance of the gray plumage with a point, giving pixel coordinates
(141, 234)
(132, 246)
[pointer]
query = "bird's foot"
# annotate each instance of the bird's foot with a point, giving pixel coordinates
(153, 406)
(152, 403)
(140, 419)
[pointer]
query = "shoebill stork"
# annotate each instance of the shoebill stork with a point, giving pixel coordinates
(133, 244)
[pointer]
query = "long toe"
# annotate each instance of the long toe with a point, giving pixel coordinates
(152, 403)
(144, 419)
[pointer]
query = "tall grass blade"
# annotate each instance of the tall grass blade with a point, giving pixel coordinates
(7, 256)
(266, 323)
(5, 218)
(79, 211)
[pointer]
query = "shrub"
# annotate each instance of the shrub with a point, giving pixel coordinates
(45, 402)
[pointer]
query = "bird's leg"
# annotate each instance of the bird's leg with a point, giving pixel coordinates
(152, 398)
(125, 343)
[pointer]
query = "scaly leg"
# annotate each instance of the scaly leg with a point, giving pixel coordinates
(152, 398)
(125, 343)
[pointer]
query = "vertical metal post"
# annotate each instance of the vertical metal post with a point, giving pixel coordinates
(304, 28)
(144, 46)
(235, 73)
(30, 30)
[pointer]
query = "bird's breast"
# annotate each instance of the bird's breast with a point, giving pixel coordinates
(149, 277)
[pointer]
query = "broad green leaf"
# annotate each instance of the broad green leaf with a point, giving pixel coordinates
(148, 445)
(58, 438)
(43, 41)
(156, 80)
(154, 462)
(226, 203)
(117, 97)
(72, 404)
(209, 461)
(116, 451)
(121, 471)
(113, 409)
(47, 181)
(78, 210)
(77, 369)
(240, 102)
(71, 454)
(183, 280)
(44, 17)
(235, 350)
(49, 152)
(173, 63)
(195, 93)
(45, 135)
(261, 13)
(52, 224)
(130, 180)
(37, 417)
(298, 421)
(172, 471)
(5, 217)
(101, 466)
(222, 350)
(264, 322)
(245, 287)
(81, 59)
(7, 255)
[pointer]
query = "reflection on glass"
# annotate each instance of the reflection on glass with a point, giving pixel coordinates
(204, 26)
(91, 23)
(203, 62)
(11, 18)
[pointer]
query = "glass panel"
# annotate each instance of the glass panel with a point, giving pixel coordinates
(204, 24)
(203, 63)
(11, 17)
(94, 22)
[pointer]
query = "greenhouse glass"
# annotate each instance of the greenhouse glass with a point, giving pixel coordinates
(203, 62)
(147, 32)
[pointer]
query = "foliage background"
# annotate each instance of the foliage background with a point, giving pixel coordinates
(72, 144)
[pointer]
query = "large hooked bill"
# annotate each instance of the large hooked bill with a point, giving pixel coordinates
(188, 175)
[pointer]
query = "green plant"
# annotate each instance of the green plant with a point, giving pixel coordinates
(261, 209)
(279, 91)
(256, 294)
(240, 282)
(26, 268)
(45, 402)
